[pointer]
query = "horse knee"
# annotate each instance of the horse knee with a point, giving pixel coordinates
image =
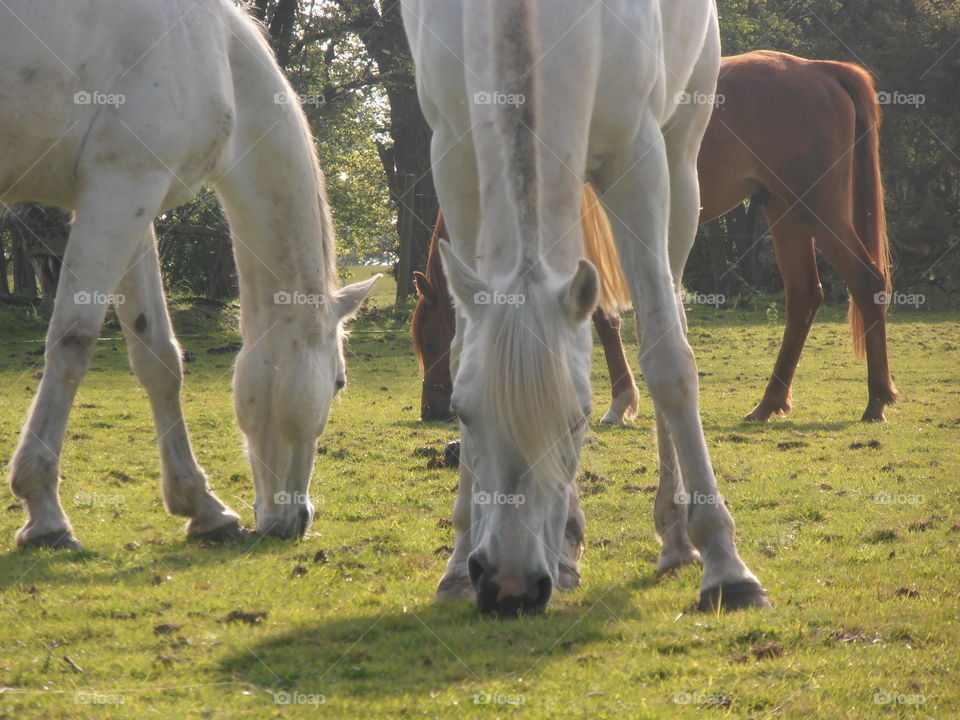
(68, 354)
(156, 362)
(670, 372)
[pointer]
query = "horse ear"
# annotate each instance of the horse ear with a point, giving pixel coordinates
(346, 300)
(424, 287)
(470, 291)
(581, 292)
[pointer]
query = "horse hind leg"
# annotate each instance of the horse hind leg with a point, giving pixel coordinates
(110, 216)
(155, 359)
(794, 250)
(623, 406)
(840, 243)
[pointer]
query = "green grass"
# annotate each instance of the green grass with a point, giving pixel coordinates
(865, 593)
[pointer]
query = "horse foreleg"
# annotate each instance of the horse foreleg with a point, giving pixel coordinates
(623, 386)
(155, 359)
(455, 169)
(635, 185)
(793, 246)
(102, 241)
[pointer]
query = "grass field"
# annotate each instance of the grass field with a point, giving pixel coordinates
(854, 529)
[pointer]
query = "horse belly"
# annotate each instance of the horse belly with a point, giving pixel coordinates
(40, 133)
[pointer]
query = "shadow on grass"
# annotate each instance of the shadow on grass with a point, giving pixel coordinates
(22, 567)
(399, 650)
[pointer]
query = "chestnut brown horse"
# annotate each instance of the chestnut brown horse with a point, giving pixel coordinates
(800, 136)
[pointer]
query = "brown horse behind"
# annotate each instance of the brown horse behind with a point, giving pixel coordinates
(802, 135)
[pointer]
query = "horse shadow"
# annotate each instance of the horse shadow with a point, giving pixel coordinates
(427, 645)
(25, 567)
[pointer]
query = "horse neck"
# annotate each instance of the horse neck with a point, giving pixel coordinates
(273, 195)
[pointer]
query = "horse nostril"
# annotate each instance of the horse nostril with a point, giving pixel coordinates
(476, 570)
(542, 592)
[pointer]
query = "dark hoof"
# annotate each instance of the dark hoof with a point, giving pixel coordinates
(57, 540)
(455, 585)
(734, 596)
(231, 532)
(451, 454)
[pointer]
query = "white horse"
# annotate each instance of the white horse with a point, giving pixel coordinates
(120, 111)
(526, 102)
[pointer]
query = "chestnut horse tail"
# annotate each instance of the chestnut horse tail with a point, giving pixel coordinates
(601, 250)
(869, 216)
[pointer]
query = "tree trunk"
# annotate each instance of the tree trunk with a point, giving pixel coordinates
(4, 285)
(223, 279)
(24, 279)
(386, 42)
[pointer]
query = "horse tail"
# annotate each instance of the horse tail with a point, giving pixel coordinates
(870, 220)
(601, 250)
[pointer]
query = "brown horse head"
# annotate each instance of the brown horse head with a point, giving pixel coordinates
(433, 330)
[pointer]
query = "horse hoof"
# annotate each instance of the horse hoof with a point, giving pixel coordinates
(56, 540)
(455, 585)
(870, 416)
(669, 565)
(756, 415)
(231, 532)
(734, 596)
(611, 418)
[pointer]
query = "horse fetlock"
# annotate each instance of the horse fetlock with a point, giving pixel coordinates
(677, 555)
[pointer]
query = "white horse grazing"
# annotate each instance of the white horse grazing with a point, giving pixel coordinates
(527, 101)
(121, 111)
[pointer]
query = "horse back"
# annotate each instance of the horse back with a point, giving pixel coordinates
(94, 86)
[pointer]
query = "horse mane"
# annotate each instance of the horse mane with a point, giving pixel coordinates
(260, 37)
(531, 391)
